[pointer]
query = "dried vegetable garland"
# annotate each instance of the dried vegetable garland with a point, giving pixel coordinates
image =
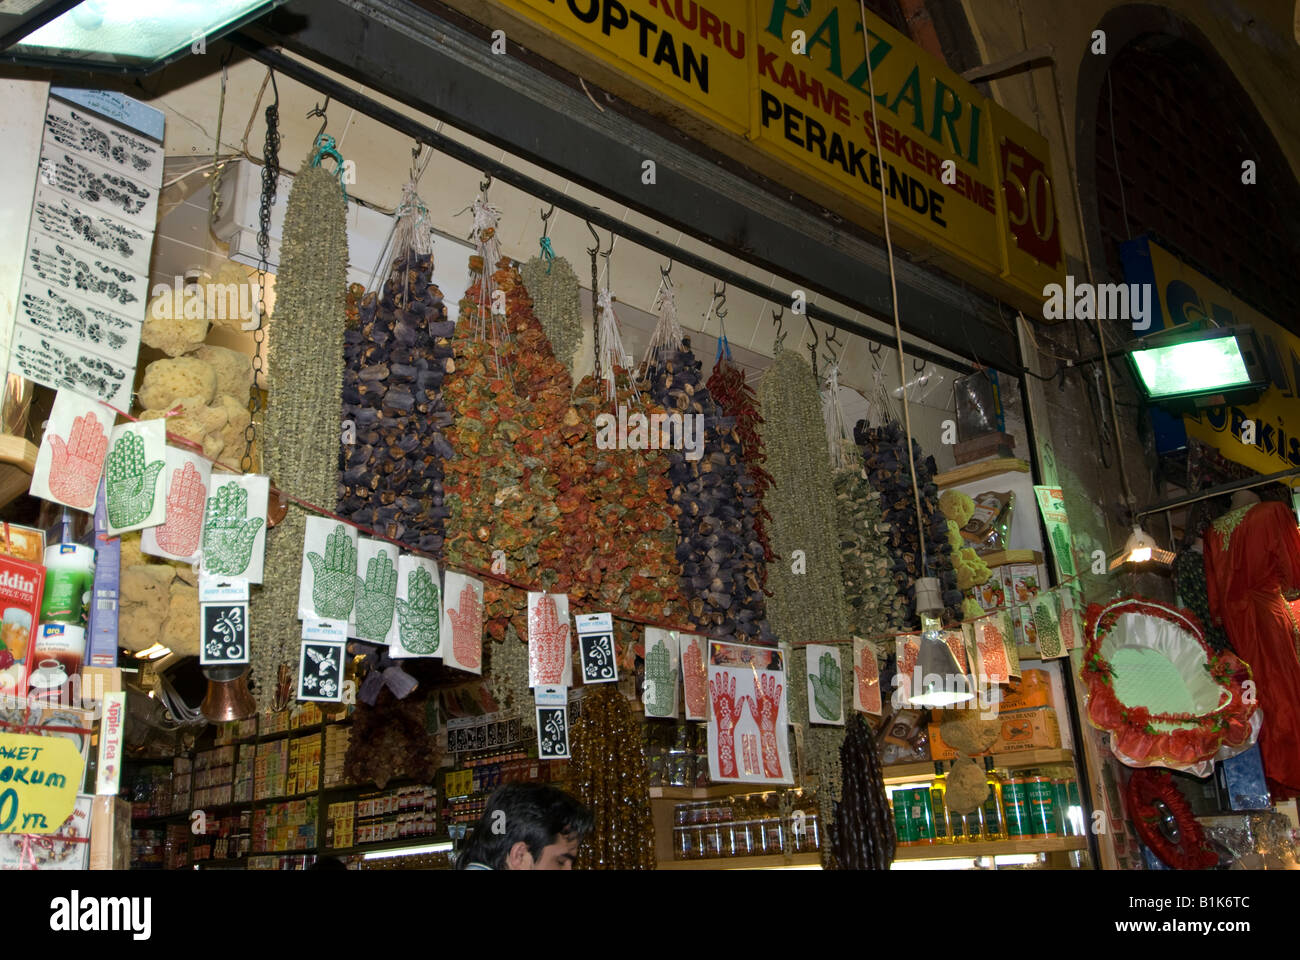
(862, 832)
(554, 287)
(822, 742)
(391, 739)
(300, 446)
(805, 607)
(509, 395)
(874, 606)
(396, 357)
(735, 398)
(884, 452)
(611, 778)
(720, 555)
(613, 543)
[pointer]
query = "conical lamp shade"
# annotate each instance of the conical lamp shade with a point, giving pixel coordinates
(1141, 548)
(939, 680)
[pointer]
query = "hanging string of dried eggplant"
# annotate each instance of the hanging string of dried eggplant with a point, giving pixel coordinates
(395, 359)
(807, 603)
(735, 398)
(554, 287)
(508, 395)
(862, 832)
(885, 452)
(720, 555)
(610, 776)
(300, 445)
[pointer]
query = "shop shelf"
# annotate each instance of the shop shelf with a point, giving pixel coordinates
(1001, 558)
(979, 471)
(924, 769)
(766, 862)
(17, 462)
(990, 848)
(402, 844)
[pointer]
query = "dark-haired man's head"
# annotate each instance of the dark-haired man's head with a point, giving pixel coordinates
(527, 826)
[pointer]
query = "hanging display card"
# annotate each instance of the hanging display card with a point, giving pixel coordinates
(548, 640)
(376, 591)
(552, 733)
(1047, 621)
(956, 641)
(748, 719)
(695, 675)
(661, 669)
(866, 668)
(234, 526)
(907, 648)
(462, 622)
(825, 685)
(1051, 504)
(133, 475)
(320, 670)
(1071, 621)
(85, 285)
(419, 609)
(71, 458)
(223, 621)
(328, 584)
(187, 478)
(989, 637)
(596, 647)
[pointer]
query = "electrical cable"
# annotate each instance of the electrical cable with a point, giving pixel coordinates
(893, 295)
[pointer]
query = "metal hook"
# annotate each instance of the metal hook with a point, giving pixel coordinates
(592, 251)
(915, 368)
(812, 347)
(876, 349)
(415, 159)
(318, 111)
(833, 356)
(777, 318)
(483, 185)
(721, 297)
(667, 273)
(546, 222)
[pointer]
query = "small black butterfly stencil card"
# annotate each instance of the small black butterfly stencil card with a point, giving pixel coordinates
(223, 621)
(596, 645)
(552, 722)
(320, 670)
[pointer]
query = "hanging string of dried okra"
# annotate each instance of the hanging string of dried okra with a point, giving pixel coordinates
(807, 604)
(301, 444)
(554, 287)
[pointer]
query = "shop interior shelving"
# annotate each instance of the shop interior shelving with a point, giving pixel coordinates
(923, 770)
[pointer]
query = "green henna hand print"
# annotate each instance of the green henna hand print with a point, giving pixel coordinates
(334, 576)
(1045, 622)
(376, 597)
(228, 531)
(131, 483)
(418, 616)
(659, 672)
(826, 687)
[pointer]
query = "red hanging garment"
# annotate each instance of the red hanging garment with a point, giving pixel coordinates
(1252, 557)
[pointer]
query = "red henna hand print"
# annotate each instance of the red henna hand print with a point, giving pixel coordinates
(186, 498)
(695, 679)
(993, 653)
(869, 681)
(726, 712)
(765, 706)
(467, 628)
(549, 643)
(77, 463)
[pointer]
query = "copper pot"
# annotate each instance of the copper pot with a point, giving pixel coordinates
(228, 696)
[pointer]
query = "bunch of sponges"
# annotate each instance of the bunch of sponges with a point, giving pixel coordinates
(971, 568)
(159, 602)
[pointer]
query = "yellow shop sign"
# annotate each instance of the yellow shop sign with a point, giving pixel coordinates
(39, 780)
(782, 86)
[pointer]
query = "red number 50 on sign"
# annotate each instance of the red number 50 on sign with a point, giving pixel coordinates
(1031, 206)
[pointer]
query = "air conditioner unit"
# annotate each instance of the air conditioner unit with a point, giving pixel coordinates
(237, 225)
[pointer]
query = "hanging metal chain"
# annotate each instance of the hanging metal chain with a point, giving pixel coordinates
(214, 204)
(270, 180)
(595, 311)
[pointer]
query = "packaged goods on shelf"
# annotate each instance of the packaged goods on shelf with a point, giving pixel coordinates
(1034, 729)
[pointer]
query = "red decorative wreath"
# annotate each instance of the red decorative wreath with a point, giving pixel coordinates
(1132, 728)
(1191, 852)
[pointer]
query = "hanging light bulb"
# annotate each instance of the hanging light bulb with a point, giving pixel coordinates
(1141, 548)
(938, 678)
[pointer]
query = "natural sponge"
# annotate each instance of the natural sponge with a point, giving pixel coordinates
(196, 422)
(957, 506)
(175, 322)
(234, 369)
(166, 381)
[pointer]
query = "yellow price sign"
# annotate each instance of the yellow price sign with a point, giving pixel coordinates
(39, 780)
